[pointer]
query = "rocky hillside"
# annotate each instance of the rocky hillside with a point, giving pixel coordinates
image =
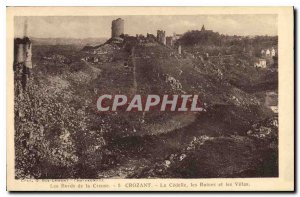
(57, 118)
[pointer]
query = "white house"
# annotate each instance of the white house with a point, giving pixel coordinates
(273, 52)
(268, 52)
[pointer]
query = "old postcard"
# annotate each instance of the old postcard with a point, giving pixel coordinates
(150, 99)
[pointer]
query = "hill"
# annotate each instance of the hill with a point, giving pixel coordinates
(62, 122)
(68, 41)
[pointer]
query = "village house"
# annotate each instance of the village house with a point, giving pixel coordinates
(273, 52)
(261, 63)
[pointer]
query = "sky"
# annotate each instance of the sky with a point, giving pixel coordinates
(100, 26)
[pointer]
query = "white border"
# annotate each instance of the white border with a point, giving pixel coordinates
(3, 4)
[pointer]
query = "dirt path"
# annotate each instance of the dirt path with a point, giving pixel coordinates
(94, 69)
(175, 122)
(125, 170)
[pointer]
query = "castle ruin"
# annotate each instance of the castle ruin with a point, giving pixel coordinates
(169, 41)
(161, 37)
(23, 52)
(22, 59)
(117, 28)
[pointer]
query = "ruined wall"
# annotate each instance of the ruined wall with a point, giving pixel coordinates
(28, 55)
(179, 49)
(22, 61)
(117, 28)
(161, 36)
(169, 41)
(23, 51)
(18, 51)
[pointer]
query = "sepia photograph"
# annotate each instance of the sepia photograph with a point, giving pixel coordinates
(147, 97)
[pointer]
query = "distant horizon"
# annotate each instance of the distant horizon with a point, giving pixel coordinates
(68, 38)
(83, 27)
(132, 35)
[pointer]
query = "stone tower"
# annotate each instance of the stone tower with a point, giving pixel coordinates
(117, 28)
(22, 64)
